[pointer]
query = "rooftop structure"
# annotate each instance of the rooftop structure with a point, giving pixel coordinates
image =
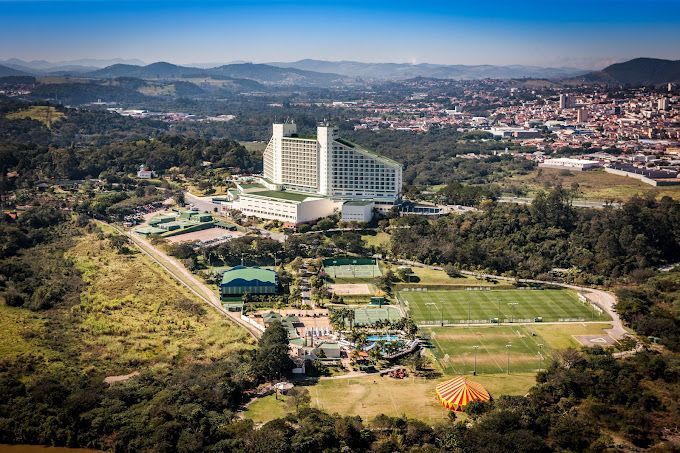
(252, 280)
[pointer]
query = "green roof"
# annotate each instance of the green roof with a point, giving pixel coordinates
(249, 274)
(288, 196)
(252, 186)
(149, 230)
(361, 149)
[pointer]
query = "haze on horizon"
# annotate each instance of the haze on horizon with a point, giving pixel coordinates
(583, 33)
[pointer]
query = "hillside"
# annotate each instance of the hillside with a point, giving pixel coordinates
(159, 70)
(639, 71)
(269, 74)
(6, 71)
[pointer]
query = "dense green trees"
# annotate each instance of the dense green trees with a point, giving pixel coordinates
(35, 274)
(528, 241)
(272, 360)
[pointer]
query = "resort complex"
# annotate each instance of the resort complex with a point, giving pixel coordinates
(306, 178)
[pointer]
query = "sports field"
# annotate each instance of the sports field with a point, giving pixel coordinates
(369, 315)
(513, 305)
(351, 271)
(454, 349)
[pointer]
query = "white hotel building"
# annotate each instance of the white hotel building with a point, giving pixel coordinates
(306, 178)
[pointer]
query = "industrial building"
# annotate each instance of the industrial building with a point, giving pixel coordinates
(570, 164)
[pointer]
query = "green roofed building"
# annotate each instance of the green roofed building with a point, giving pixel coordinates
(240, 280)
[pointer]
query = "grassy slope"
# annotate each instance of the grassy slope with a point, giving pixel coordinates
(593, 185)
(131, 316)
(47, 115)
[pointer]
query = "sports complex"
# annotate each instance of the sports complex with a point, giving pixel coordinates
(479, 306)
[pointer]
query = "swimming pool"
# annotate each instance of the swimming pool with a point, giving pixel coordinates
(374, 338)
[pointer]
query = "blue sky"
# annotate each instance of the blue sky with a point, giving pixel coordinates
(581, 33)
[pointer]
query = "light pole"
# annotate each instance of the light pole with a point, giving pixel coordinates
(512, 311)
(499, 312)
(540, 348)
(507, 349)
(475, 348)
(469, 312)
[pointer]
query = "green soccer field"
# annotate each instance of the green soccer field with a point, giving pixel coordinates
(454, 350)
(513, 305)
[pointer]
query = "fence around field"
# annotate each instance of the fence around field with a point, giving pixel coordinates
(348, 261)
(464, 322)
(353, 271)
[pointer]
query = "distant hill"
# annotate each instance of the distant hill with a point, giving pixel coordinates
(261, 73)
(402, 71)
(269, 74)
(160, 70)
(6, 71)
(639, 71)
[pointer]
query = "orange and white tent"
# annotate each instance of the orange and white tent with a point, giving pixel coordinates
(459, 392)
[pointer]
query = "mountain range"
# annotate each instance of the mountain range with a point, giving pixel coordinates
(332, 73)
(401, 71)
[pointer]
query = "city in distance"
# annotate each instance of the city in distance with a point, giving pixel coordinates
(294, 227)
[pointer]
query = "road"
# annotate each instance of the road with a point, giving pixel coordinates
(603, 299)
(595, 204)
(186, 278)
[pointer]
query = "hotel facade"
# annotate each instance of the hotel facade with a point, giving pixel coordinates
(311, 177)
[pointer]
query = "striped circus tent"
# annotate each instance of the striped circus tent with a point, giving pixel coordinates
(458, 392)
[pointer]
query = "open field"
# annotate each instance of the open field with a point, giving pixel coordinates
(592, 185)
(376, 240)
(429, 276)
(255, 146)
(454, 349)
(562, 337)
(513, 305)
(47, 115)
(373, 395)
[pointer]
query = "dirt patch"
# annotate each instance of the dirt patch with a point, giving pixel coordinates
(204, 235)
(352, 289)
(120, 378)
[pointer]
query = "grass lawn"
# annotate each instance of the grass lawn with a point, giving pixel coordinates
(373, 395)
(454, 349)
(480, 306)
(429, 276)
(47, 115)
(593, 185)
(256, 146)
(376, 240)
(562, 337)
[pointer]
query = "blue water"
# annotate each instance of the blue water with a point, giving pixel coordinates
(382, 338)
